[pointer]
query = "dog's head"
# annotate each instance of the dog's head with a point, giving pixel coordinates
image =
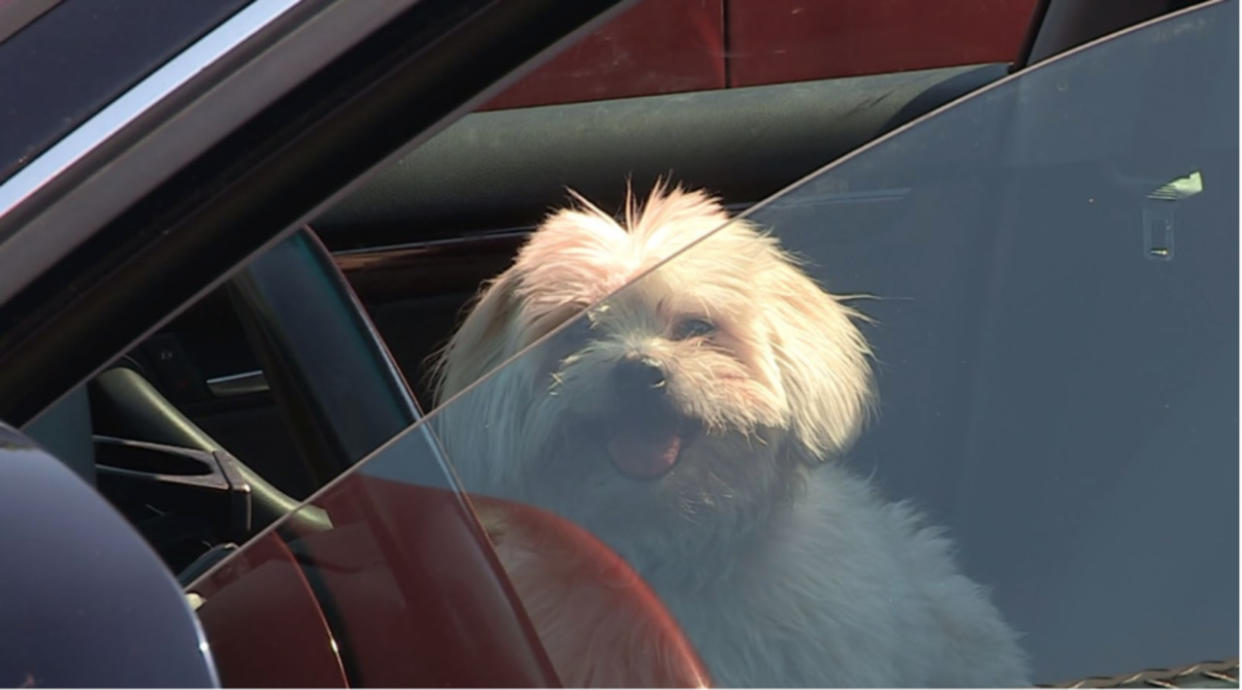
(696, 394)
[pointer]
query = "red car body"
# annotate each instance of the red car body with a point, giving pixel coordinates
(667, 46)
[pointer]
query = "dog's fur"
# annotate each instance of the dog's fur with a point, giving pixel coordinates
(784, 569)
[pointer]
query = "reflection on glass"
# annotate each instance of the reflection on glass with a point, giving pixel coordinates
(993, 350)
(693, 421)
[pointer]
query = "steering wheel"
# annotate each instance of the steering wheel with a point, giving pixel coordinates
(406, 584)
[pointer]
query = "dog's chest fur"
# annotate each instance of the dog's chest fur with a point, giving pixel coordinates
(844, 590)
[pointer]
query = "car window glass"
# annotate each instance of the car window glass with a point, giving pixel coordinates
(739, 97)
(1041, 281)
(668, 85)
(206, 366)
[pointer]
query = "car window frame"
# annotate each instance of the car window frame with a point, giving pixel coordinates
(380, 96)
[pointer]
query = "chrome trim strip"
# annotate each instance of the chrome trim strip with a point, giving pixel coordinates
(88, 178)
(158, 85)
(245, 383)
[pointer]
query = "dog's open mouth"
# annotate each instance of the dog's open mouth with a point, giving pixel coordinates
(649, 448)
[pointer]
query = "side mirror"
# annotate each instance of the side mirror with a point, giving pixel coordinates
(87, 602)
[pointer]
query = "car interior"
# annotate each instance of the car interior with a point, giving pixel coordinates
(415, 260)
(205, 433)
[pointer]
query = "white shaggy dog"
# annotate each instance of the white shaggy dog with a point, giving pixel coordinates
(687, 421)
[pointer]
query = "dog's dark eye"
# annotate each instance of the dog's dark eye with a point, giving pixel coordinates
(693, 328)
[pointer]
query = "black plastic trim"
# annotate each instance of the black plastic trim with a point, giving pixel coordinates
(1065, 24)
(1032, 33)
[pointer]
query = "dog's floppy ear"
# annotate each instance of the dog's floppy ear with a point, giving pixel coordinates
(822, 358)
(482, 342)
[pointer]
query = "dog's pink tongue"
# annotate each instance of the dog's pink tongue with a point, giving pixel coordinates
(644, 455)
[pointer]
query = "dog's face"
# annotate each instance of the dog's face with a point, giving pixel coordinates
(683, 405)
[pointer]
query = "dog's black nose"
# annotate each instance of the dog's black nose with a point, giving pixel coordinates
(636, 373)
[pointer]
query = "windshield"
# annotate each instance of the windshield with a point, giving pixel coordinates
(958, 409)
